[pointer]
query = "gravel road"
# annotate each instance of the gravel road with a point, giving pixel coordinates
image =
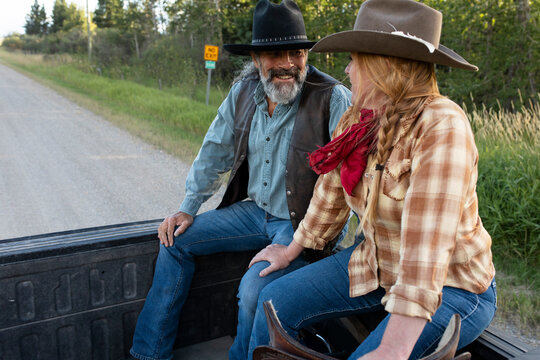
(63, 168)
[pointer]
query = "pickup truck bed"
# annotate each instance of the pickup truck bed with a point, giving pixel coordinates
(77, 295)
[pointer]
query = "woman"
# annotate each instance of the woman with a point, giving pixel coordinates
(404, 159)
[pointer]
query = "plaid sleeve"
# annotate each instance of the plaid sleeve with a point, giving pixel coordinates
(441, 168)
(327, 213)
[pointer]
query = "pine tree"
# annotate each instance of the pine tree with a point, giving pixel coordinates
(36, 20)
(59, 15)
(109, 13)
(75, 18)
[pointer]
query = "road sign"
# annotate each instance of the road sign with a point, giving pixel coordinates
(211, 52)
(210, 65)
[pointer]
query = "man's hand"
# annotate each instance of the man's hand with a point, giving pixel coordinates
(166, 231)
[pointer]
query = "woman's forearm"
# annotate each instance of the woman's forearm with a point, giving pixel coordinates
(399, 338)
(293, 250)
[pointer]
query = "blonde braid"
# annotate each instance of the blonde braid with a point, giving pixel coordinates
(405, 85)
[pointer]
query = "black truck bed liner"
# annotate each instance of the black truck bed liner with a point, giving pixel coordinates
(77, 295)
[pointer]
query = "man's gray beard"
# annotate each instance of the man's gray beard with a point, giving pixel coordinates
(282, 93)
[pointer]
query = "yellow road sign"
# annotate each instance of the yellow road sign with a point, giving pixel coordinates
(211, 52)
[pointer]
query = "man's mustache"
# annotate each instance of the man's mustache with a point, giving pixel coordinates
(294, 72)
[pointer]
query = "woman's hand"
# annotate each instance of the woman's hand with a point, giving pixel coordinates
(276, 255)
(279, 256)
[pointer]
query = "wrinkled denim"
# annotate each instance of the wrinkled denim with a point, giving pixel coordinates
(320, 291)
(240, 227)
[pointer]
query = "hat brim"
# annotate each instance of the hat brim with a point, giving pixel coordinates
(381, 43)
(246, 49)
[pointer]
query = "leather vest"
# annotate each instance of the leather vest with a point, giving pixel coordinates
(310, 131)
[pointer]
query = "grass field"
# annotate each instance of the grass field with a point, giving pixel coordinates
(176, 119)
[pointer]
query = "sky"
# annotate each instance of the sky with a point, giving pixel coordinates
(13, 12)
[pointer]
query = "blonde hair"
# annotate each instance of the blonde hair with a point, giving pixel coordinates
(401, 87)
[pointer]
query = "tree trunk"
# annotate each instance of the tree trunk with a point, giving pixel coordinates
(137, 51)
(523, 17)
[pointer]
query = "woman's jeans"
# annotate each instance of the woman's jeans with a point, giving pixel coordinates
(239, 227)
(320, 291)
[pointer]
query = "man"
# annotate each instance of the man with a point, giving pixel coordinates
(279, 111)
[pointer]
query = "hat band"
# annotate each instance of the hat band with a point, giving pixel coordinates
(281, 38)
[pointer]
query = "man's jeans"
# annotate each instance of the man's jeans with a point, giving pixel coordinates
(239, 227)
(320, 291)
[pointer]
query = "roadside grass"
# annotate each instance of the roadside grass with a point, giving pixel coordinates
(176, 119)
(177, 124)
(509, 204)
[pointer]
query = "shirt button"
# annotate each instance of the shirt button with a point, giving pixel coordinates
(293, 214)
(289, 192)
(265, 183)
(264, 204)
(268, 138)
(267, 161)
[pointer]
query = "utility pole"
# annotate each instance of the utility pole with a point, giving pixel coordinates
(89, 34)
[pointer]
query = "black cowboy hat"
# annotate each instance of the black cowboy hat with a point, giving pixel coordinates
(275, 27)
(401, 28)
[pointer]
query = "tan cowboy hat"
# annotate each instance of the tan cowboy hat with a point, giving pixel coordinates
(401, 28)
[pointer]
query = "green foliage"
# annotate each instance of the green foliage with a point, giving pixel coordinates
(66, 17)
(501, 38)
(170, 59)
(111, 47)
(75, 18)
(109, 14)
(509, 185)
(36, 20)
(59, 14)
(509, 193)
(13, 42)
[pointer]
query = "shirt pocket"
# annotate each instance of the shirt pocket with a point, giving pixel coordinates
(396, 178)
(283, 146)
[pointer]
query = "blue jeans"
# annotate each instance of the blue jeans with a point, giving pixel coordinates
(320, 291)
(239, 227)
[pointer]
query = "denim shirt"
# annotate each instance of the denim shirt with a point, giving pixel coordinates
(267, 151)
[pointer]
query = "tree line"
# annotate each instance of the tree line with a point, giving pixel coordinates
(164, 39)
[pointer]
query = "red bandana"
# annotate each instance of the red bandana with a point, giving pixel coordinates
(350, 148)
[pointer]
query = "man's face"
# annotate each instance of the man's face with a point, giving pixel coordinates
(282, 73)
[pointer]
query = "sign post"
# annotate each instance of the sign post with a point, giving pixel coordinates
(210, 56)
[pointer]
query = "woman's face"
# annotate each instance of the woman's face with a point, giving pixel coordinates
(361, 84)
(353, 75)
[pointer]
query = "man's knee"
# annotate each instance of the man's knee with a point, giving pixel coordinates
(251, 286)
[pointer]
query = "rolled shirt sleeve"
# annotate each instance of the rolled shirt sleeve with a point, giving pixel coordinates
(441, 168)
(327, 213)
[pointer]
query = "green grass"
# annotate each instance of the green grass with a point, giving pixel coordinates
(175, 119)
(509, 204)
